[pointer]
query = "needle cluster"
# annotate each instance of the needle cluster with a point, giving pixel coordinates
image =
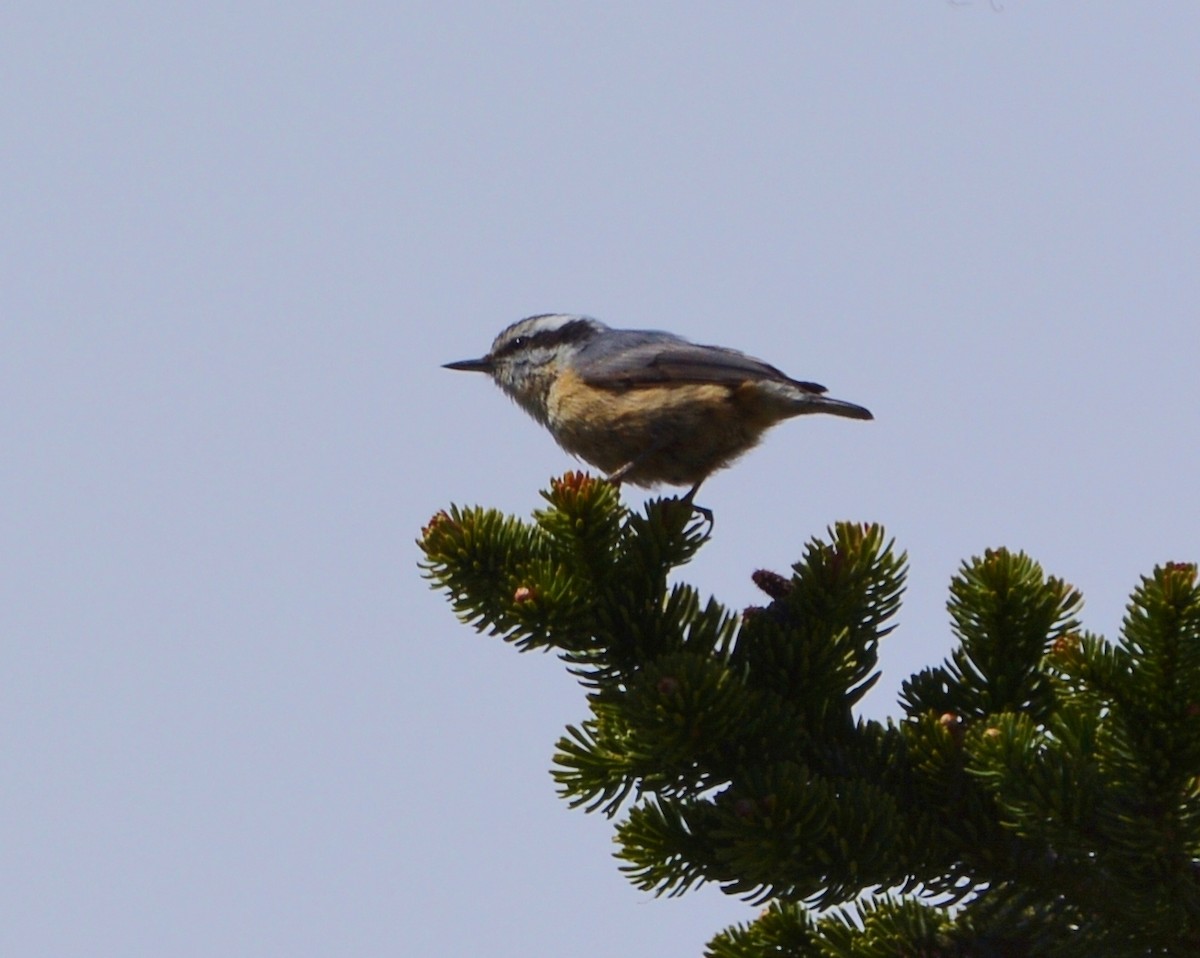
(1037, 795)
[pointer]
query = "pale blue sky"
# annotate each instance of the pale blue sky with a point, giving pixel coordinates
(240, 239)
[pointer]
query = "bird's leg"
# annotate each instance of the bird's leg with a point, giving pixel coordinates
(690, 500)
(618, 474)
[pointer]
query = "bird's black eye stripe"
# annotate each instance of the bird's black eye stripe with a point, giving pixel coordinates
(516, 344)
(572, 332)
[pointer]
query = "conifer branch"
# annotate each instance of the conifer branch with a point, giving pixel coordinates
(1039, 795)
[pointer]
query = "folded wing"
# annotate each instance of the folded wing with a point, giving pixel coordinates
(633, 359)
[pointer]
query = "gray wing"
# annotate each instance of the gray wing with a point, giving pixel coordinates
(629, 359)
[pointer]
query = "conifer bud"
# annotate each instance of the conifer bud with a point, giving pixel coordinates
(772, 583)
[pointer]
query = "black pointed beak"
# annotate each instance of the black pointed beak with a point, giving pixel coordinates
(483, 365)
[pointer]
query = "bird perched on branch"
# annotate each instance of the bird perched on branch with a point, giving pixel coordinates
(646, 407)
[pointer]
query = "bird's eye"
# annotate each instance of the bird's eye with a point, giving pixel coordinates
(514, 345)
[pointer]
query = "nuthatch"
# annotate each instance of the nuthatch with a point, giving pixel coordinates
(644, 406)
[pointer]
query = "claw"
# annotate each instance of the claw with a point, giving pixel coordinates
(690, 499)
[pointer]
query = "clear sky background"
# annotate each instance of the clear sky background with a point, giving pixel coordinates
(239, 239)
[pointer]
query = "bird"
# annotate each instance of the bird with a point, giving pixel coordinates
(644, 406)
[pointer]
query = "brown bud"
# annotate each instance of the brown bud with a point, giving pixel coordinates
(573, 481)
(1065, 645)
(439, 518)
(953, 724)
(772, 583)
